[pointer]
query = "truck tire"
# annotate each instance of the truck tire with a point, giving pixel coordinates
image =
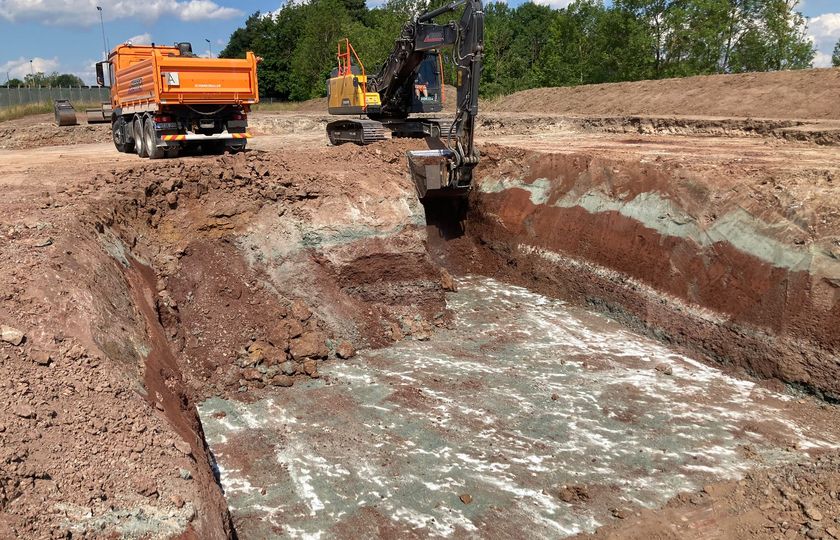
(118, 131)
(139, 142)
(150, 140)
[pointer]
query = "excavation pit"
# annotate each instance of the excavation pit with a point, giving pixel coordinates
(203, 313)
(529, 414)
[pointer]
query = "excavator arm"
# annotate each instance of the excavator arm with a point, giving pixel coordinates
(447, 168)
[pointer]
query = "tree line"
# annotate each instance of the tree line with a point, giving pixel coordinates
(54, 79)
(533, 45)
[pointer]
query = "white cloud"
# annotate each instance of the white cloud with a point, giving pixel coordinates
(822, 60)
(200, 10)
(824, 31)
(84, 13)
(825, 27)
(86, 71)
(556, 4)
(141, 39)
(20, 68)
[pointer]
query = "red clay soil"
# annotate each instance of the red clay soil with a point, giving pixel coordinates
(730, 306)
(142, 289)
(813, 94)
(790, 502)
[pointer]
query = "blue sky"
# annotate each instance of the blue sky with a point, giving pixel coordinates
(65, 35)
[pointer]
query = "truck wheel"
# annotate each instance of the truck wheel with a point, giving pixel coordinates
(152, 149)
(118, 131)
(139, 142)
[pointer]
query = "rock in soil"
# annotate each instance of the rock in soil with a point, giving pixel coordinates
(11, 335)
(345, 350)
(300, 311)
(309, 345)
(282, 380)
(665, 369)
(42, 358)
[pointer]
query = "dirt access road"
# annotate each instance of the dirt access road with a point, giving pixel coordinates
(680, 273)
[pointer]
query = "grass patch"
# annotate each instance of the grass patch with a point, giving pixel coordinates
(277, 106)
(20, 111)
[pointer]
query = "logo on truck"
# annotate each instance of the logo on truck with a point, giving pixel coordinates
(135, 85)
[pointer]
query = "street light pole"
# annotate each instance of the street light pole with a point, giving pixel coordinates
(104, 39)
(210, 46)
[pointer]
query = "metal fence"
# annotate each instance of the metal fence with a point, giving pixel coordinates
(12, 97)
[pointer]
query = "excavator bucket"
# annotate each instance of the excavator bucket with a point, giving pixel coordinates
(65, 114)
(432, 174)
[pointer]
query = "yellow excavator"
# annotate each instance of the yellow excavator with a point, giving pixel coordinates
(410, 82)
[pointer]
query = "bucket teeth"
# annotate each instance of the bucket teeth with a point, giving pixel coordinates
(430, 171)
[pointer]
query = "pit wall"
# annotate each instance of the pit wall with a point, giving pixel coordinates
(233, 277)
(668, 251)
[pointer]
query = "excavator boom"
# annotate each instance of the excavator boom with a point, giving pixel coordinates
(394, 93)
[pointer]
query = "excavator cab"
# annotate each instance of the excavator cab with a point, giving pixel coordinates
(428, 92)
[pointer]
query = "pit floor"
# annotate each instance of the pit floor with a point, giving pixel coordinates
(476, 432)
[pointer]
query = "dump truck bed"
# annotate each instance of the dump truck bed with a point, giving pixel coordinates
(146, 78)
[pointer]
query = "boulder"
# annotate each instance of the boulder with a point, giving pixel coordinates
(300, 311)
(309, 345)
(311, 368)
(345, 350)
(11, 335)
(282, 380)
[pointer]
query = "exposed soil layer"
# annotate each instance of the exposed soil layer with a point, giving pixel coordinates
(40, 130)
(135, 291)
(743, 268)
(527, 414)
(793, 501)
(784, 94)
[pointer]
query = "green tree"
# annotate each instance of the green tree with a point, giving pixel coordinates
(324, 23)
(36, 79)
(590, 41)
(15, 83)
(53, 79)
(835, 57)
(242, 39)
(774, 40)
(67, 79)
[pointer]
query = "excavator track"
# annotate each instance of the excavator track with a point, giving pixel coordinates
(361, 132)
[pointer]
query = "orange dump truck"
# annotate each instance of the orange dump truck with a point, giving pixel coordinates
(165, 99)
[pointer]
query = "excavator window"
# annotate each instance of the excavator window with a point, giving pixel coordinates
(427, 84)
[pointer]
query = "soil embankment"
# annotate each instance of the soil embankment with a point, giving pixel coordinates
(808, 94)
(738, 261)
(138, 291)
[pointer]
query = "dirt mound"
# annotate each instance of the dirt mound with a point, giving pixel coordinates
(40, 130)
(786, 94)
(794, 501)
